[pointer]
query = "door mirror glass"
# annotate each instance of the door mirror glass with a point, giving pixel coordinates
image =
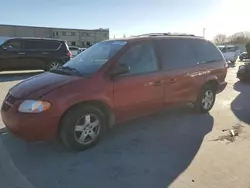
(120, 69)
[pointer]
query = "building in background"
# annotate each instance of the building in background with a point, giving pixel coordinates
(74, 37)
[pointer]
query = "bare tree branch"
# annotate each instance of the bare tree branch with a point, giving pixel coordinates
(220, 39)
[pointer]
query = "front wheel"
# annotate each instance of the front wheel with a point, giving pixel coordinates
(82, 127)
(205, 100)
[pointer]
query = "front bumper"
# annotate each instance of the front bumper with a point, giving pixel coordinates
(30, 127)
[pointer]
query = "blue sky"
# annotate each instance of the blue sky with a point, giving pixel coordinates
(131, 17)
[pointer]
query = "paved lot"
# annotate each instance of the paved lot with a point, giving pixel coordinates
(170, 149)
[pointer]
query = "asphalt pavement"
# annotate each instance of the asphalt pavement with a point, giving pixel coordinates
(175, 148)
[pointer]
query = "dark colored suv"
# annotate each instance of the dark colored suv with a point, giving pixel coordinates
(32, 53)
(114, 81)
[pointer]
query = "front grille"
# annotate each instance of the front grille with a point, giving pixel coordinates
(5, 107)
(11, 99)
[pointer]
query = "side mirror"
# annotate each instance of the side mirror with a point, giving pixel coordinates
(120, 69)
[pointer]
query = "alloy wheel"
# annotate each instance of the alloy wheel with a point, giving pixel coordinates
(207, 99)
(53, 65)
(87, 129)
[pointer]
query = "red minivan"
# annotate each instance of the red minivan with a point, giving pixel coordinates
(114, 81)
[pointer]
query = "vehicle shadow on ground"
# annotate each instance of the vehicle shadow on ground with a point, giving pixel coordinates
(9, 77)
(241, 104)
(147, 152)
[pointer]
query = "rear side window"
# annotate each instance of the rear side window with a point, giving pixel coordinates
(175, 53)
(205, 51)
(140, 58)
(41, 45)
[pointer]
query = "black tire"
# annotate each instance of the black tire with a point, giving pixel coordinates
(243, 80)
(199, 106)
(67, 130)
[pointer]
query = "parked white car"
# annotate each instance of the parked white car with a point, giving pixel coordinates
(230, 52)
(74, 50)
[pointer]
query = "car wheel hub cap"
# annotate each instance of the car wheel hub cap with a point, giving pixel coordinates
(54, 64)
(208, 99)
(87, 129)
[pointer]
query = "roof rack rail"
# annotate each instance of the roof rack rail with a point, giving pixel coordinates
(182, 34)
(164, 34)
(153, 34)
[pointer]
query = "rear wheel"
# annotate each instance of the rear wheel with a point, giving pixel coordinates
(206, 99)
(82, 127)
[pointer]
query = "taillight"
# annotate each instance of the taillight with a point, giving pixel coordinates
(69, 54)
(226, 66)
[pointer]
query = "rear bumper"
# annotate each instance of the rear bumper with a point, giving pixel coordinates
(221, 87)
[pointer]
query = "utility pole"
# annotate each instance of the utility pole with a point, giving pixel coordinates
(204, 32)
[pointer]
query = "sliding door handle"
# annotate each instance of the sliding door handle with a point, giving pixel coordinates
(21, 53)
(158, 83)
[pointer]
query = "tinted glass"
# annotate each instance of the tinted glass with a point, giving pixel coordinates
(140, 58)
(205, 51)
(231, 49)
(13, 45)
(175, 53)
(93, 58)
(224, 50)
(41, 45)
(73, 48)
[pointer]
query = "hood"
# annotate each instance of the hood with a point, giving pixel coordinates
(36, 86)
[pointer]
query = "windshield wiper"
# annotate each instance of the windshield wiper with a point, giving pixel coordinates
(71, 69)
(65, 70)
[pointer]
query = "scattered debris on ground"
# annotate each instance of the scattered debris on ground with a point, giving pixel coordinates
(231, 133)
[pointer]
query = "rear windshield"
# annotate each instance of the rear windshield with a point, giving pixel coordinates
(92, 59)
(73, 48)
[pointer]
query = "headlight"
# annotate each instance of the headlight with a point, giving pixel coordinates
(34, 106)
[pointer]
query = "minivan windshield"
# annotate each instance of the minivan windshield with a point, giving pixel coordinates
(93, 58)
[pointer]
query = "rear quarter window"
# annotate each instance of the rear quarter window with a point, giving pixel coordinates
(205, 51)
